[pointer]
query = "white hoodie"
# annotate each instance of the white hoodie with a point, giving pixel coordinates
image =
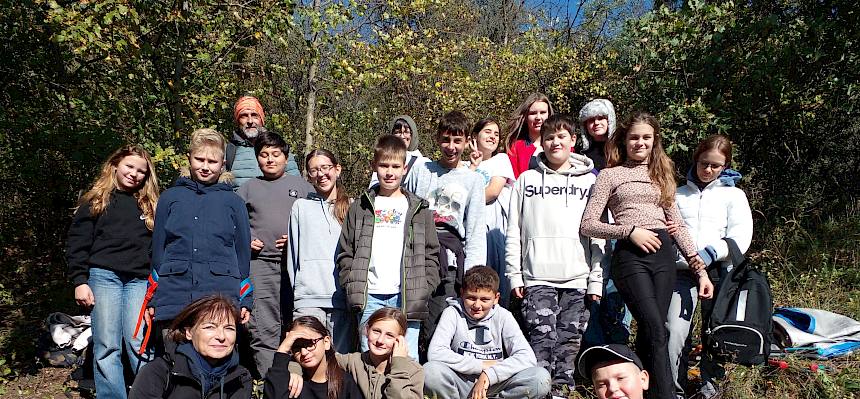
(544, 246)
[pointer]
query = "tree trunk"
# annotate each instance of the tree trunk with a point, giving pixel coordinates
(312, 89)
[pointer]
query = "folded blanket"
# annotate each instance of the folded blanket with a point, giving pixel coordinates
(816, 333)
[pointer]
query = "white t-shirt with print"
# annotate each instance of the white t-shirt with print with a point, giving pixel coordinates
(386, 252)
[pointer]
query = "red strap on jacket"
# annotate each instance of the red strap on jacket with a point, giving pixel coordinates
(150, 291)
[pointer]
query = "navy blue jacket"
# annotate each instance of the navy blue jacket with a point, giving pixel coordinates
(201, 245)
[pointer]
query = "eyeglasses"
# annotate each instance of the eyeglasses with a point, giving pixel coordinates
(304, 343)
(314, 172)
(402, 132)
(713, 166)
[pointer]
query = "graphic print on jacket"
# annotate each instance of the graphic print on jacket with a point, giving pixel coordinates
(464, 343)
(580, 193)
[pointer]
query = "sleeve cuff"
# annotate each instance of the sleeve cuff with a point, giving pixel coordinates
(708, 255)
(282, 360)
(517, 281)
(492, 376)
(595, 288)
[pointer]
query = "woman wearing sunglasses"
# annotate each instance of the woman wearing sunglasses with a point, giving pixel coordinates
(310, 345)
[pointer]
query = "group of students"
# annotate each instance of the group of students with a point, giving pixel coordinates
(423, 266)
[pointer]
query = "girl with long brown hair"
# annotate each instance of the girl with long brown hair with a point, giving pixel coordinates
(524, 131)
(312, 245)
(107, 252)
(638, 187)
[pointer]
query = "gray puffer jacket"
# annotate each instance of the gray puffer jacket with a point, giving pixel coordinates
(419, 269)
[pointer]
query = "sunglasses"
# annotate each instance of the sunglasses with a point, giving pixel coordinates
(304, 343)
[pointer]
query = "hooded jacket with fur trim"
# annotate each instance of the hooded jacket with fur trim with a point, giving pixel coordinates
(544, 246)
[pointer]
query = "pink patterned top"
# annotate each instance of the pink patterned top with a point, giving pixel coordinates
(634, 202)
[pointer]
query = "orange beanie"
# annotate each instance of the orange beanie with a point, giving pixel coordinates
(248, 102)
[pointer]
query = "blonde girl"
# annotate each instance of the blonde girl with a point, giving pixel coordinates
(638, 187)
(107, 252)
(524, 131)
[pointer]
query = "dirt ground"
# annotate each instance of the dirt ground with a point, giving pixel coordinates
(45, 383)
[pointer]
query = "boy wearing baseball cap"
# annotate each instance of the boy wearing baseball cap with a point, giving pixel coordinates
(615, 371)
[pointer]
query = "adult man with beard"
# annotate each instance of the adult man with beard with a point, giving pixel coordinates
(249, 117)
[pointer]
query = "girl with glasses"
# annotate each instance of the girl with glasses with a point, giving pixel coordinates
(712, 209)
(309, 345)
(312, 245)
(404, 127)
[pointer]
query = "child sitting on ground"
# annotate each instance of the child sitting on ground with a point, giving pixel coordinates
(478, 347)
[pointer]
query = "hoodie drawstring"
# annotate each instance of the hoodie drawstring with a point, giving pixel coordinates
(567, 186)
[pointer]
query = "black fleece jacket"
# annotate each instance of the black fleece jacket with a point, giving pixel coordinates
(117, 240)
(171, 377)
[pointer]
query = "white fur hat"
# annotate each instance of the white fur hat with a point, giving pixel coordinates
(597, 107)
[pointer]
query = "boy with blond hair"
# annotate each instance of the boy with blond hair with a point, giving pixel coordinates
(201, 240)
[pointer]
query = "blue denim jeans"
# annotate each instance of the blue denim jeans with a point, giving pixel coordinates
(118, 300)
(376, 302)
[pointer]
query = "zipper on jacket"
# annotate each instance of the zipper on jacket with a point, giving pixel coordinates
(408, 238)
(366, 285)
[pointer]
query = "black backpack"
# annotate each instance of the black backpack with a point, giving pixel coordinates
(740, 329)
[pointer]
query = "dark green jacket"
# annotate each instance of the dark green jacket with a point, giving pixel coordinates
(419, 269)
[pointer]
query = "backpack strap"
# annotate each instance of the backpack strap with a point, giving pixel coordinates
(738, 257)
(409, 167)
(230, 154)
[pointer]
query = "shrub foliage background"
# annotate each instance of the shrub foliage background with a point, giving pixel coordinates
(81, 77)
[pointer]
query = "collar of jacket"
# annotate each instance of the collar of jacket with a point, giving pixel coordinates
(182, 369)
(201, 188)
(238, 140)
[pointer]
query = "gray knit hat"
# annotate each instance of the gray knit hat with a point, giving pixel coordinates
(594, 108)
